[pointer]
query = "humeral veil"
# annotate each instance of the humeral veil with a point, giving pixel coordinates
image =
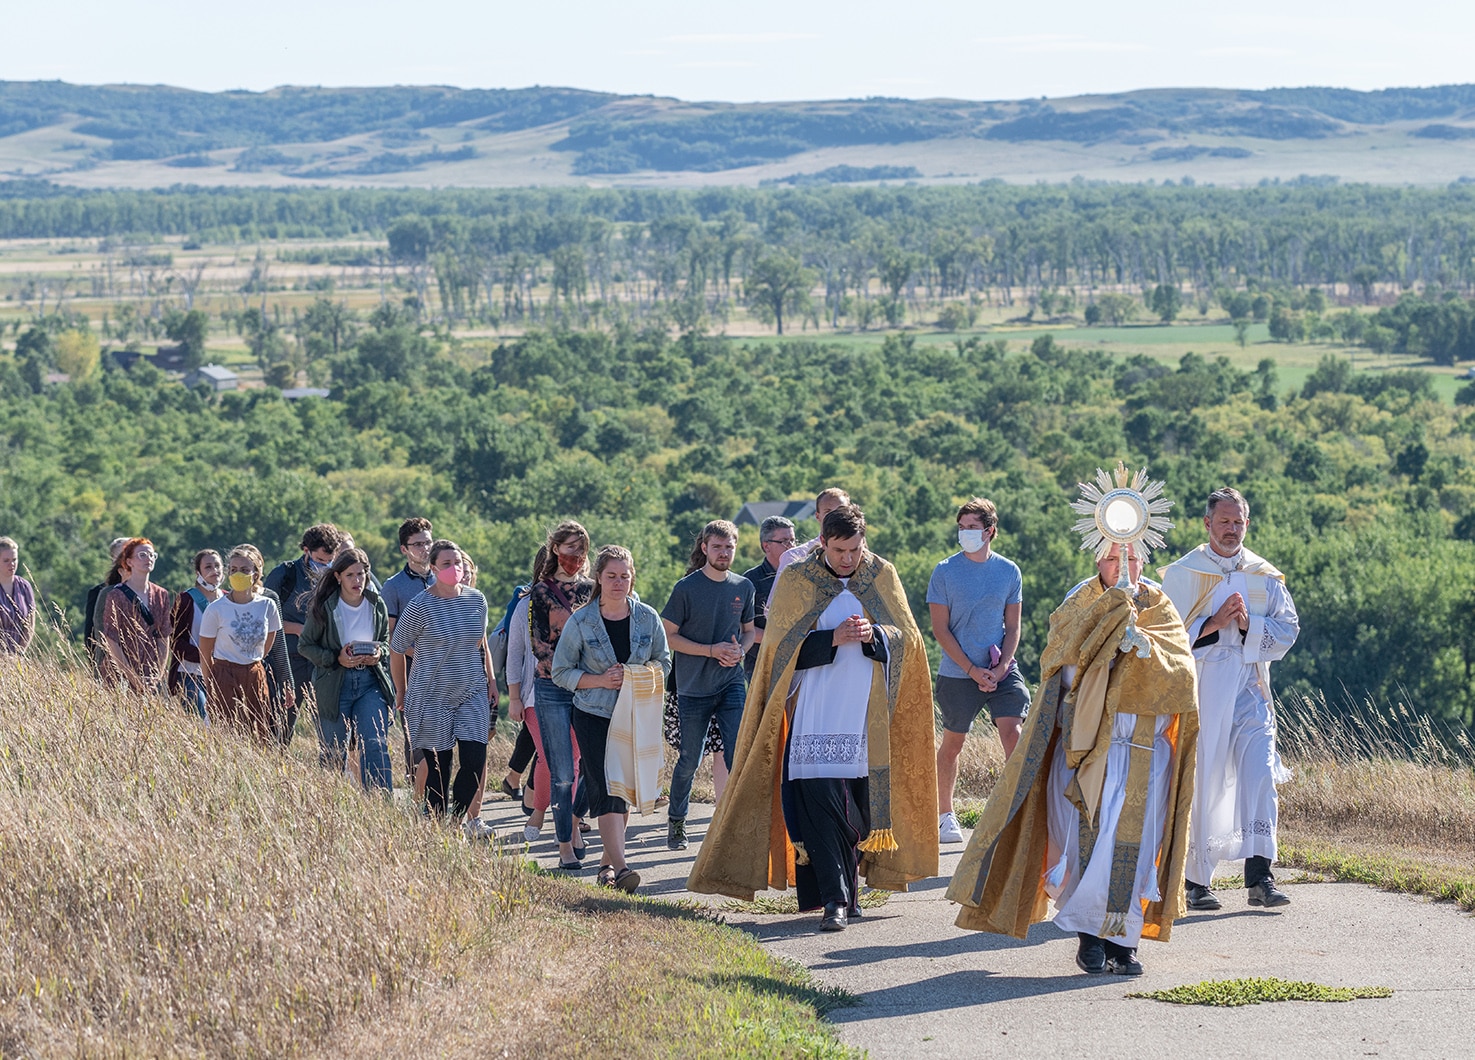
(1085, 681)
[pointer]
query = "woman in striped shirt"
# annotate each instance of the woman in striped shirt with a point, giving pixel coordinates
(446, 697)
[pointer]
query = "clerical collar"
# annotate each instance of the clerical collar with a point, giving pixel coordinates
(1228, 564)
(844, 578)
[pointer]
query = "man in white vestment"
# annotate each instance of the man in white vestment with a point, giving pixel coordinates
(1240, 619)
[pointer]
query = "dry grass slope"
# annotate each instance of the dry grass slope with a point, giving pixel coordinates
(173, 890)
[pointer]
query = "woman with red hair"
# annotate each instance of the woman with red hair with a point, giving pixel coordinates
(135, 620)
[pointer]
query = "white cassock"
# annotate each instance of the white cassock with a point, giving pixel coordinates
(1235, 805)
(1081, 898)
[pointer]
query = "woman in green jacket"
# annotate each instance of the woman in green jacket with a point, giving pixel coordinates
(346, 638)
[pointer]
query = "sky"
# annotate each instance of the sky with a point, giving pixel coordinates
(754, 50)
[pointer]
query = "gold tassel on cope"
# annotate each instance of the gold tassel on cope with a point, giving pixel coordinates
(879, 841)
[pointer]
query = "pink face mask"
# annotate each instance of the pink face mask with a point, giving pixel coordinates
(448, 575)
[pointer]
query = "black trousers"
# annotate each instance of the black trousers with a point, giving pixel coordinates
(592, 732)
(828, 816)
(522, 751)
(473, 763)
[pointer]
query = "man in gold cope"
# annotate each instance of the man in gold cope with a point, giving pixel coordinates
(1092, 809)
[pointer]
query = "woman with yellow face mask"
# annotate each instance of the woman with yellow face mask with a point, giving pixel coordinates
(235, 635)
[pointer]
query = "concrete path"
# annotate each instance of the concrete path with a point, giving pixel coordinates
(928, 989)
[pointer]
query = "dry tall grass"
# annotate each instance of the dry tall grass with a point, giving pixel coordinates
(172, 889)
(1379, 786)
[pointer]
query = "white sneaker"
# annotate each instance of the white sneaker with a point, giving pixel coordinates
(948, 830)
(477, 830)
(530, 833)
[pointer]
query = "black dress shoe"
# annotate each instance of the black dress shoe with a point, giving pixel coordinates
(1124, 962)
(835, 917)
(1200, 897)
(1091, 954)
(1266, 893)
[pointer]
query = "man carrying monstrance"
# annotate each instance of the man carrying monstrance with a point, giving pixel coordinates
(1093, 814)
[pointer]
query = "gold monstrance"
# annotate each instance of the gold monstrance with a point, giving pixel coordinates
(1129, 511)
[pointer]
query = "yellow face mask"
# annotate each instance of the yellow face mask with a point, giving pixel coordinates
(241, 582)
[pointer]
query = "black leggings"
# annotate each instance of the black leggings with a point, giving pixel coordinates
(468, 777)
(522, 751)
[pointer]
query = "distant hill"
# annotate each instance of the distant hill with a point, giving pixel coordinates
(135, 134)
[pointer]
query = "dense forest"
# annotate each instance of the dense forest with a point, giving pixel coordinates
(622, 134)
(1363, 488)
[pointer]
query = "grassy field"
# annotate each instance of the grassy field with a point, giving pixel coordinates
(173, 890)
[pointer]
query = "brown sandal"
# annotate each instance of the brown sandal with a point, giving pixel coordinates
(627, 879)
(606, 877)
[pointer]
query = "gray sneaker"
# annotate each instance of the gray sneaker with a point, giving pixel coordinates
(676, 833)
(477, 831)
(948, 829)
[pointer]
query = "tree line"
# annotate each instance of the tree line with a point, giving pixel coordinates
(867, 254)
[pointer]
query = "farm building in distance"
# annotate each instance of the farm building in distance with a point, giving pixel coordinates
(213, 376)
(754, 512)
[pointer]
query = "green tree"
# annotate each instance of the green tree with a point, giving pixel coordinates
(325, 328)
(1166, 301)
(1364, 276)
(1117, 309)
(190, 330)
(776, 284)
(78, 353)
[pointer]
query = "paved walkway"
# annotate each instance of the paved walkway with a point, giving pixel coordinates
(928, 989)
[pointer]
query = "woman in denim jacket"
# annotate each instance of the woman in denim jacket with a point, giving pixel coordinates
(597, 641)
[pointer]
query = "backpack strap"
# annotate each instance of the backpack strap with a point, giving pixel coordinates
(148, 616)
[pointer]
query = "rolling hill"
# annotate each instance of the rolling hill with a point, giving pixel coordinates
(150, 136)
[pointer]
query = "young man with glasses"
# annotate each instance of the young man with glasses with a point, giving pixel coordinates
(775, 537)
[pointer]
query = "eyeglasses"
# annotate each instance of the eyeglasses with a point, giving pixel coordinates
(418, 546)
(787, 542)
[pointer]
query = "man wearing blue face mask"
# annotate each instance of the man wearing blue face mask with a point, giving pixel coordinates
(293, 583)
(975, 597)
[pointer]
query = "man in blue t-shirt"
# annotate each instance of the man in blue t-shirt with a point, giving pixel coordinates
(975, 597)
(709, 622)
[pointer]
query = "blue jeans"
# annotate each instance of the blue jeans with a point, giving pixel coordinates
(696, 713)
(555, 706)
(361, 702)
(192, 688)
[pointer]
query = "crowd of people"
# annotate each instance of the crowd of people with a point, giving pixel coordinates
(1129, 775)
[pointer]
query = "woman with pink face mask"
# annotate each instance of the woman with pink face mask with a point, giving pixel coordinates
(446, 697)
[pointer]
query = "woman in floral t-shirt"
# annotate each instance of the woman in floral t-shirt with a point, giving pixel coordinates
(561, 587)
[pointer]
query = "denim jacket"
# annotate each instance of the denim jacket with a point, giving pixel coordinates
(584, 648)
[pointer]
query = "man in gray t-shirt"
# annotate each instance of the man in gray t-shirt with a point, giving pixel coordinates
(709, 623)
(975, 597)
